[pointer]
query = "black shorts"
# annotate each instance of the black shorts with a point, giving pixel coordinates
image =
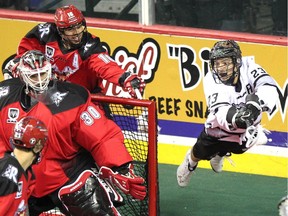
(207, 147)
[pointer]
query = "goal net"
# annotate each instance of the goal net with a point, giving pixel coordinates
(137, 119)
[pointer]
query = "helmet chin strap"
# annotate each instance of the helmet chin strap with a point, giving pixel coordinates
(236, 69)
(236, 78)
(37, 158)
(66, 43)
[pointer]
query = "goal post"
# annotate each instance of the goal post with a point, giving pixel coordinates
(138, 121)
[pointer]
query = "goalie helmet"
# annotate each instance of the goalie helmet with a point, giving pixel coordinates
(35, 71)
(226, 49)
(30, 133)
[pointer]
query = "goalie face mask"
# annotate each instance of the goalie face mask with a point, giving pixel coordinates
(35, 72)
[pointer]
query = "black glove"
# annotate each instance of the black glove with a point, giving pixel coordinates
(253, 104)
(130, 82)
(247, 115)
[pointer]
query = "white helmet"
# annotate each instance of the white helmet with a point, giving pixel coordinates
(35, 71)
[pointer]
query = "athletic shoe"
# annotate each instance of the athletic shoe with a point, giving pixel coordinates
(184, 171)
(283, 206)
(217, 162)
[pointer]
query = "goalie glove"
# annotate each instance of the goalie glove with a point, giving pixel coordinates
(129, 183)
(129, 82)
(10, 70)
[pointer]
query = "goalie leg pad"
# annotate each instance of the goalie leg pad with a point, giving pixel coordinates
(88, 195)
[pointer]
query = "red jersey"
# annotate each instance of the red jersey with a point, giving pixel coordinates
(76, 127)
(86, 66)
(15, 186)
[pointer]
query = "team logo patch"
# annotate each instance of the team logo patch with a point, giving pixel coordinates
(19, 190)
(49, 52)
(87, 46)
(4, 91)
(11, 172)
(57, 97)
(22, 208)
(13, 114)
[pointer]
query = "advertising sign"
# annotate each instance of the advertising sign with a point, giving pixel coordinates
(173, 67)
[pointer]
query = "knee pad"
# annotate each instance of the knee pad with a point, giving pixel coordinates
(88, 195)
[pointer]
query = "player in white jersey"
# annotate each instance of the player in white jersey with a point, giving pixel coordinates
(237, 91)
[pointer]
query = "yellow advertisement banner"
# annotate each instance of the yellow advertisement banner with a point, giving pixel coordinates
(173, 67)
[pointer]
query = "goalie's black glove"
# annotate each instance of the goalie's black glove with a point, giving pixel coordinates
(129, 82)
(247, 115)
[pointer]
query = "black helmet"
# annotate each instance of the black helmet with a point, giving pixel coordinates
(224, 49)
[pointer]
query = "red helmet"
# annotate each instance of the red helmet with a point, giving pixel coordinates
(68, 16)
(28, 132)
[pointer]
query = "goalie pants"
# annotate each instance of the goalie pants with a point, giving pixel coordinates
(207, 147)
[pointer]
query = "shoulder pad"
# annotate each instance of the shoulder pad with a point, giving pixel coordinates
(44, 32)
(92, 46)
(69, 95)
(10, 173)
(11, 87)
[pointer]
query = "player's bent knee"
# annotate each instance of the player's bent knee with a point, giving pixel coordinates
(86, 196)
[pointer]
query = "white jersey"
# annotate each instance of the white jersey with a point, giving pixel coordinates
(220, 97)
